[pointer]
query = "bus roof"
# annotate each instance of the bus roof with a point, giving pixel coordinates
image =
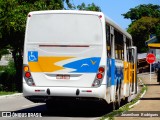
(117, 27)
(65, 11)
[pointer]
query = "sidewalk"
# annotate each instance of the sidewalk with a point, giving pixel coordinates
(150, 101)
(12, 95)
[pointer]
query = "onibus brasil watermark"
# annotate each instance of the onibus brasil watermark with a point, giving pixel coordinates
(20, 114)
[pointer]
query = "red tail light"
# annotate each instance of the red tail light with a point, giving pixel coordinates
(101, 69)
(27, 74)
(99, 76)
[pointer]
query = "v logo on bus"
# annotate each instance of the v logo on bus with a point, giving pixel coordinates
(93, 62)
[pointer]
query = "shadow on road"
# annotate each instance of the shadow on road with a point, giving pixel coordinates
(150, 98)
(71, 109)
(152, 84)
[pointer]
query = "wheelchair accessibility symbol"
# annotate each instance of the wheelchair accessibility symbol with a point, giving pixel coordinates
(32, 56)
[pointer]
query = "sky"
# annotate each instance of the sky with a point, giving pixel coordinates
(114, 8)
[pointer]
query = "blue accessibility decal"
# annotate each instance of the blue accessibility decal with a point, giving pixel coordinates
(32, 56)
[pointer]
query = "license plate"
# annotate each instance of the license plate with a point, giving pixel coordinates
(63, 77)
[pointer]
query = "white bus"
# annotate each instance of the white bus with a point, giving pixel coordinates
(77, 54)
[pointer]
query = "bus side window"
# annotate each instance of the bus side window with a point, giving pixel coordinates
(130, 55)
(108, 41)
(128, 43)
(119, 45)
(129, 52)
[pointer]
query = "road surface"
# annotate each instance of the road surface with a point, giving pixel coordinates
(84, 111)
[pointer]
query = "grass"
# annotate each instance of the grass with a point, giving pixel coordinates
(124, 108)
(6, 93)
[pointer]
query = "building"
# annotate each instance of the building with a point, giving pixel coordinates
(154, 46)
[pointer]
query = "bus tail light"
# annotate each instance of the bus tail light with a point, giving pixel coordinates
(26, 68)
(101, 69)
(99, 77)
(27, 76)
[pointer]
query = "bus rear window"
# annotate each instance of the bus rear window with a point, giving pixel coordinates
(64, 29)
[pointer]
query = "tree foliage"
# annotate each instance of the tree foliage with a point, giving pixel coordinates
(89, 7)
(149, 10)
(158, 31)
(141, 29)
(145, 21)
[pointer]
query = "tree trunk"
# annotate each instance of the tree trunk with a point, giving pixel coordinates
(18, 65)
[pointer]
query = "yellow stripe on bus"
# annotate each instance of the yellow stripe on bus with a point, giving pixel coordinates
(128, 70)
(126, 76)
(47, 64)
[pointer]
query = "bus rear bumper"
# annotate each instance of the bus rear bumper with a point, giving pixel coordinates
(41, 94)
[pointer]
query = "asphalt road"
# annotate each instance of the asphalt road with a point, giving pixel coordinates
(62, 111)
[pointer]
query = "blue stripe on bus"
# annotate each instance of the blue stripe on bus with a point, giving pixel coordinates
(112, 71)
(119, 73)
(108, 72)
(88, 65)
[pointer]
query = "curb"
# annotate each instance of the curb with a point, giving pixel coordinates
(12, 95)
(138, 100)
(140, 96)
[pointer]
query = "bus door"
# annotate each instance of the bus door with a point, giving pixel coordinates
(132, 58)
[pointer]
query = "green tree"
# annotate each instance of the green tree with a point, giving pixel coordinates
(145, 21)
(158, 31)
(89, 7)
(13, 15)
(148, 10)
(141, 29)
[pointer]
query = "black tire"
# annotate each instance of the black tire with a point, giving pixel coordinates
(124, 101)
